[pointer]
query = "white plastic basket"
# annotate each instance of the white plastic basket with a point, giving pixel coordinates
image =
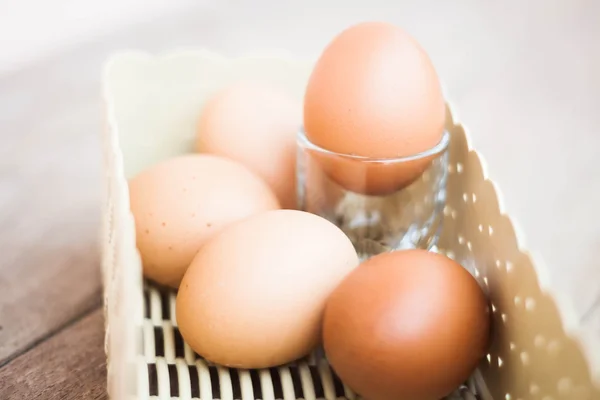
(538, 351)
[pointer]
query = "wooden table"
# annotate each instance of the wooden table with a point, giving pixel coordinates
(525, 81)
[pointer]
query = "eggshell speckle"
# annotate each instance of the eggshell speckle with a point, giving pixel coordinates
(408, 325)
(182, 202)
(254, 296)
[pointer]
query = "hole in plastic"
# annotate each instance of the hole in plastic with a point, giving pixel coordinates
(534, 389)
(553, 347)
(539, 341)
(564, 385)
(518, 301)
(529, 304)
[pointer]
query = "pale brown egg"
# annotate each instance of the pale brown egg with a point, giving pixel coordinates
(408, 325)
(254, 295)
(255, 123)
(374, 93)
(182, 202)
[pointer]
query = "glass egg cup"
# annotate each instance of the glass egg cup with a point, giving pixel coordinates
(381, 204)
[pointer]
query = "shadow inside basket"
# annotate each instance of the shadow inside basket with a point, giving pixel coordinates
(170, 363)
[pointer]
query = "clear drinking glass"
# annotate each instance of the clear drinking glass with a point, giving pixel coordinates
(381, 204)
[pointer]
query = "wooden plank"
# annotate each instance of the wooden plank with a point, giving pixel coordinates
(71, 365)
(49, 269)
(49, 202)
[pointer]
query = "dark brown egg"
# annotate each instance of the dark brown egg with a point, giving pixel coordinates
(410, 325)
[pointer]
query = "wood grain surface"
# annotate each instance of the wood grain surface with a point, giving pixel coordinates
(524, 80)
(70, 365)
(48, 216)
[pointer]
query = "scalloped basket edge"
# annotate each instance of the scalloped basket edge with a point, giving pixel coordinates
(587, 342)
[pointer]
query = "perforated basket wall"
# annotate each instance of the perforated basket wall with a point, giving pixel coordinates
(538, 351)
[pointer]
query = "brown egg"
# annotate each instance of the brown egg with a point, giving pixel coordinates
(374, 93)
(254, 296)
(408, 325)
(182, 202)
(255, 124)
